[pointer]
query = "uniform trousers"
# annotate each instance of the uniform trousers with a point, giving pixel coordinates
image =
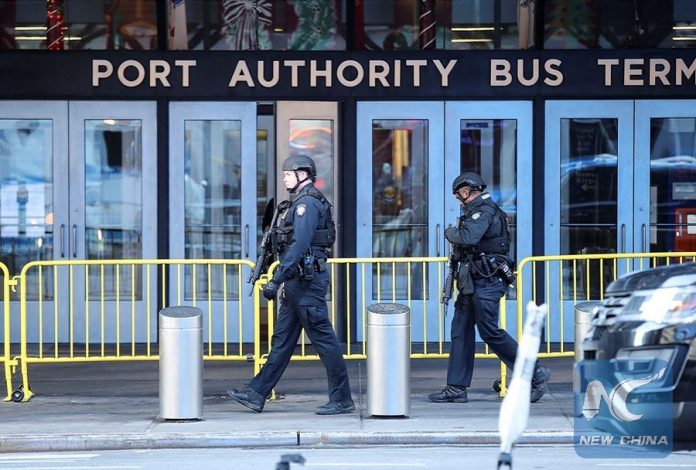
(481, 309)
(304, 306)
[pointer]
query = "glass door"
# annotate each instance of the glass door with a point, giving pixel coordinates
(665, 176)
(213, 213)
(589, 169)
(494, 139)
(74, 185)
(113, 216)
(400, 201)
(309, 128)
(589, 188)
(34, 203)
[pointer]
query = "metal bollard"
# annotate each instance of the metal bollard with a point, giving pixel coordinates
(388, 360)
(181, 363)
(583, 321)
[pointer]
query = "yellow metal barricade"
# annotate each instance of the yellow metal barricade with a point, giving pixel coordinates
(563, 281)
(5, 353)
(416, 282)
(104, 311)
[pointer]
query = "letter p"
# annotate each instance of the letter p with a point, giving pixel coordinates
(100, 69)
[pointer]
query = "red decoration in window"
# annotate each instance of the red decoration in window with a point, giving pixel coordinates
(55, 30)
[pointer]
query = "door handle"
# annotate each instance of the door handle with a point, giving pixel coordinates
(62, 240)
(679, 224)
(623, 238)
(74, 240)
(643, 238)
(246, 241)
(437, 240)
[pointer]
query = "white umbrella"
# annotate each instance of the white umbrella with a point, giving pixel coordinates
(514, 411)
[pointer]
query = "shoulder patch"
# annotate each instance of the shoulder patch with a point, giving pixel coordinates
(301, 209)
(475, 215)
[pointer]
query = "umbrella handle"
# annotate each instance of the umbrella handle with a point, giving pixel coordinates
(505, 461)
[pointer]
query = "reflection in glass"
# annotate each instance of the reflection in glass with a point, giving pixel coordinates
(489, 147)
(89, 24)
(213, 203)
(619, 24)
(264, 24)
(314, 138)
(26, 198)
(264, 197)
(113, 201)
(399, 200)
(589, 158)
(672, 185)
(457, 24)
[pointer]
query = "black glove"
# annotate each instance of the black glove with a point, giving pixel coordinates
(270, 290)
(450, 234)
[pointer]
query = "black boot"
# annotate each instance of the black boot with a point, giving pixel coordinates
(450, 394)
(249, 398)
(539, 383)
(335, 408)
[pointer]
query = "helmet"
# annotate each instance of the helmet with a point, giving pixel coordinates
(470, 179)
(300, 163)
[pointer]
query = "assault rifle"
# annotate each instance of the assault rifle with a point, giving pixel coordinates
(452, 268)
(267, 250)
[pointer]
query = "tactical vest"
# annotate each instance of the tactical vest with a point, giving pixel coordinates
(326, 237)
(323, 238)
(499, 244)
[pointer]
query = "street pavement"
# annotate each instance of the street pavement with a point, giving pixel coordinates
(101, 406)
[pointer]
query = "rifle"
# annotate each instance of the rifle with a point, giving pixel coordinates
(266, 255)
(452, 268)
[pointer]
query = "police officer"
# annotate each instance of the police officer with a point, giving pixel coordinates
(303, 235)
(481, 243)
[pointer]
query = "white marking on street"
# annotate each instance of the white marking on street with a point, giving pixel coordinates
(44, 467)
(47, 456)
(623, 465)
(369, 465)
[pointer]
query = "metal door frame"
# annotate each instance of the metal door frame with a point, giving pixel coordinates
(57, 112)
(522, 113)
(434, 113)
(179, 113)
(622, 110)
(307, 110)
(146, 112)
(645, 111)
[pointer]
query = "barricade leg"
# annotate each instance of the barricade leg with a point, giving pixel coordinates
(502, 386)
(258, 360)
(25, 391)
(8, 380)
(257, 325)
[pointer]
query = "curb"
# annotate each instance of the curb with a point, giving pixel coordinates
(86, 442)
(428, 438)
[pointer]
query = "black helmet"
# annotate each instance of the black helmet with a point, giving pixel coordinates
(300, 163)
(470, 179)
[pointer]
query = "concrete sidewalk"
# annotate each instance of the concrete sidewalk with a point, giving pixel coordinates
(115, 406)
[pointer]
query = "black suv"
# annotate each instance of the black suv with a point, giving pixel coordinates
(648, 316)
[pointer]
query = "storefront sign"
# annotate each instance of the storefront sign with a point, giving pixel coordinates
(336, 75)
(347, 73)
